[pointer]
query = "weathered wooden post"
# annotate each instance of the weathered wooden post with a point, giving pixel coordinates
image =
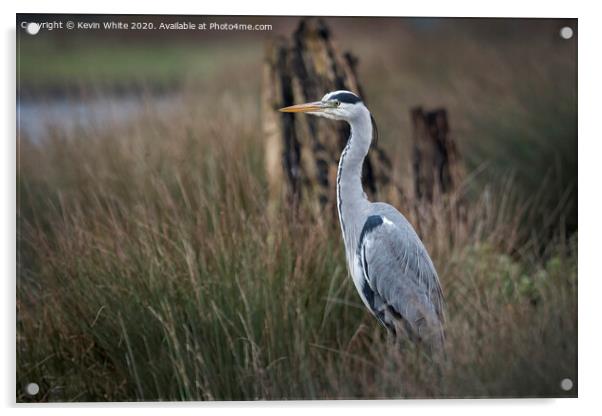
(302, 152)
(435, 158)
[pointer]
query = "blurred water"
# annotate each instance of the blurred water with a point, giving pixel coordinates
(36, 117)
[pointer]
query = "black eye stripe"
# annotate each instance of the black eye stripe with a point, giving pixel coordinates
(346, 97)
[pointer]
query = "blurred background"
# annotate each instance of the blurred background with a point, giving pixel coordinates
(508, 84)
(141, 165)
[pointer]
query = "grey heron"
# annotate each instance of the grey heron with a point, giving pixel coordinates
(389, 265)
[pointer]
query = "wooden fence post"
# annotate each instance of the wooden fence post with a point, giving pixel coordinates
(302, 152)
(435, 161)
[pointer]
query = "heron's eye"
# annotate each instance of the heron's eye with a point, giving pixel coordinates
(336, 103)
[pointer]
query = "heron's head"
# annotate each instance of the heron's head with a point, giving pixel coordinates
(337, 105)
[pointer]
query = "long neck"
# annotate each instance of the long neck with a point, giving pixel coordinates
(351, 199)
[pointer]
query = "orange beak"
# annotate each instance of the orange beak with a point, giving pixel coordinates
(304, 108)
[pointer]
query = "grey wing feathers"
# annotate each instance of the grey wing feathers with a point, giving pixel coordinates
(401, 275)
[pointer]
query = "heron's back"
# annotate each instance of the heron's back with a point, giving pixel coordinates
(400, 274)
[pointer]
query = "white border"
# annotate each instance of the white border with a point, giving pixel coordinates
(590, 212)
(457, 8)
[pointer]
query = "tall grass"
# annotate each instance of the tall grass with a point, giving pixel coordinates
(149, 270)
(148, 267)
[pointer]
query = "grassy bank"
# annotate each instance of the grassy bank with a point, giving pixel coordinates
(149, 268)
(52, 66)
